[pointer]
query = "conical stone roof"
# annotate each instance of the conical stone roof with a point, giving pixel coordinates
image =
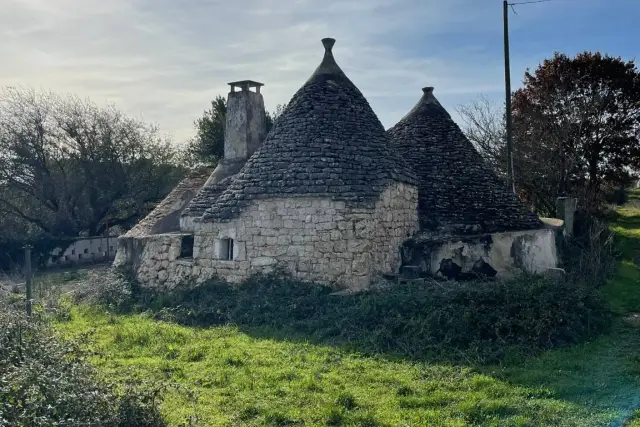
(458, 192)
(328, 142)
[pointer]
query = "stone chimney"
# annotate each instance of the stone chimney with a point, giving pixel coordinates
(246, 127)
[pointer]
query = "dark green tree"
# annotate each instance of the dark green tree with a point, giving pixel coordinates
(576, 126)
(208, 145)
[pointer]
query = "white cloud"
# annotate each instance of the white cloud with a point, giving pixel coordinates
(166, 59)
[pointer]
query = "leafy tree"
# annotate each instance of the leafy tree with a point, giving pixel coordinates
(576, 126)
(576, 129)
(68, 167)
(208, 144)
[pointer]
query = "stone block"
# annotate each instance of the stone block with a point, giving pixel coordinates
(335, 235)
(272, 240)
(284, 240)
(340, 246)
(262, 261)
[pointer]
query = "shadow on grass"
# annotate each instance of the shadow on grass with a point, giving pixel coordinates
(499, 329)
(628, 222)
(472, 322)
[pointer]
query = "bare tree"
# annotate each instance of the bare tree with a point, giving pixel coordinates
(69, 167)
(484, 125)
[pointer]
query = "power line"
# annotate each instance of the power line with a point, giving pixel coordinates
(528, 2)
(525, 2)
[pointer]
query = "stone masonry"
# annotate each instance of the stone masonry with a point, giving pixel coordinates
(331, 197)
(314, 239)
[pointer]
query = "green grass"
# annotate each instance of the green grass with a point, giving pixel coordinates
(241, 380)
(227, 376)
(624, 292)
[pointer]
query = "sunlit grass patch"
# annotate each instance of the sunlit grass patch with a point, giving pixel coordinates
(225, 376)
(277, 367)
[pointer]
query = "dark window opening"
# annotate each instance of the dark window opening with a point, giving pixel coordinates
(73, 251)
(86, 251)
(186, 248)
(226, 249)
(79, 256)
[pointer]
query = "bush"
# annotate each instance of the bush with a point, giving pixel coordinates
(589, 257)
(46, 382)
(110, 289)
(483, 321)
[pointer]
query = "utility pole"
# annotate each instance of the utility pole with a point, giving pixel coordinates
(511, 183)
(507, 86)
(28, 277)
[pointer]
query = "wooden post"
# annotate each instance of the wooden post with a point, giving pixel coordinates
(507, 84)
(28, 277)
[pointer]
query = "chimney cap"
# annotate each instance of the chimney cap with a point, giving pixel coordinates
(246, 83)
(427, 90)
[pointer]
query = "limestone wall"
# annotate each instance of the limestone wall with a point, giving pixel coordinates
(315, 239)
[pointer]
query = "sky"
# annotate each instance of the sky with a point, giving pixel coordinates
(165, 60)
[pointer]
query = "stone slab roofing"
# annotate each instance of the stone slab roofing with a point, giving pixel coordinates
(219, 180)
(165, 217)
(457, 192)
(328, 142)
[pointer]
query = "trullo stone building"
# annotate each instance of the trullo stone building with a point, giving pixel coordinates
(331, 197)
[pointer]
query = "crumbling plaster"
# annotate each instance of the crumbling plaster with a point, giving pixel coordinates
(506, 254)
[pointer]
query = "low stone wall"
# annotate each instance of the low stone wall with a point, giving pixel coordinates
(155, 259)
(84, 250)
(500, 255)
(315, 239)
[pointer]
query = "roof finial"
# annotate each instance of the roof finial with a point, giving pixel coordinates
(328, 43)
(427, 90)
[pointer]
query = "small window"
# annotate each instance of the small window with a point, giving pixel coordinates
(186, 248)
(79, 256)
(73, 251)
(99, 248)
(110, 248)
(86, 251)
(226, 249)
(66, 258)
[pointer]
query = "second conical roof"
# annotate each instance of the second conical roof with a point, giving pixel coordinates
(328, 142)
(457, 190)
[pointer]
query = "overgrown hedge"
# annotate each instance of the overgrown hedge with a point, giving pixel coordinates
(45, 381)
(483, 321)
